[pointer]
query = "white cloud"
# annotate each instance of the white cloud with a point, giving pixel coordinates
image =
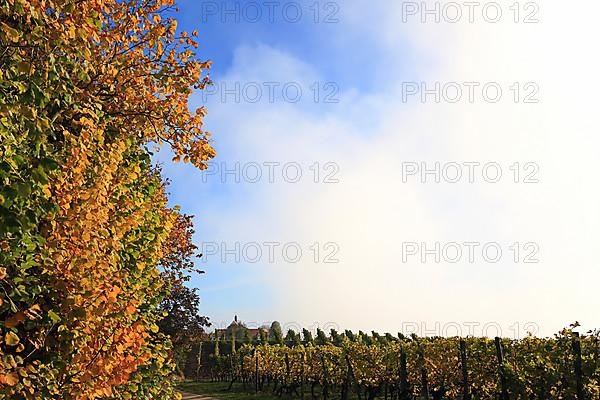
(370, 211)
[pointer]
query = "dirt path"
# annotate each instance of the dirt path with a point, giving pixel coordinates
(189, 396)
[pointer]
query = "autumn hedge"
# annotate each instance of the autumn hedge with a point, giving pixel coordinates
(87, 89)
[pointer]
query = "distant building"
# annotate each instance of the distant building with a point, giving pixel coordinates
(238, 328)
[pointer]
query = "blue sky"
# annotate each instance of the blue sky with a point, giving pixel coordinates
(358, 210)
(228, 290)
(350, 60)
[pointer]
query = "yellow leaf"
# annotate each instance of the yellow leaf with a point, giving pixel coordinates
(11, 339)
(34, 312)
(173, 27)
(12, 34)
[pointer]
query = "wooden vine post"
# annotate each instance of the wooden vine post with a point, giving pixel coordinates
(578, 366)
(465, 370)
(404, 391)
(325, 379)
(500, 356)
(302, 378)
(424, 382)
(596, 351)
(256, 374)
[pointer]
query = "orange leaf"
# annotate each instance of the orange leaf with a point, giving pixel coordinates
(9, 379)
(15, 320)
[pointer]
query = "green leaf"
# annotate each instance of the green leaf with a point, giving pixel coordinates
(24, 189)
(53, 316)
(39, 176)
(49, 164)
